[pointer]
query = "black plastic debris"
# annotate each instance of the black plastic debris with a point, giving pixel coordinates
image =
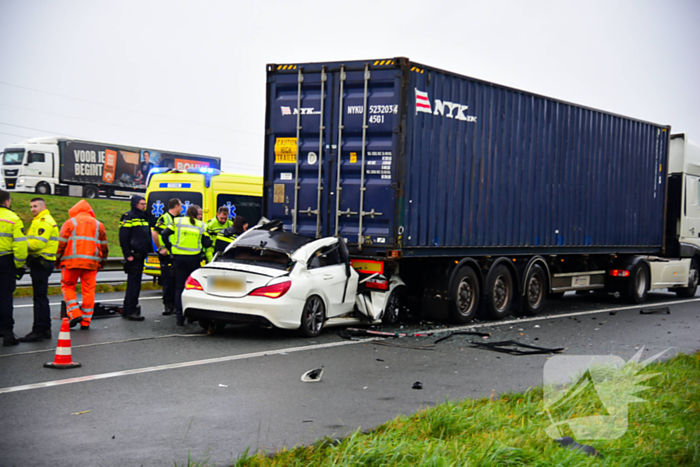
(312, 376)
(569, 443)
(463, 333)
(417, 385)
(414, 347)
(664, 310)
(345, 335)
(352, 332)
(513, 348)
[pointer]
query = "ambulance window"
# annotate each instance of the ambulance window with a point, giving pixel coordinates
(249, 207)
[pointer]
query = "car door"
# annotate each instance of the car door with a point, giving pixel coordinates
(328, 274)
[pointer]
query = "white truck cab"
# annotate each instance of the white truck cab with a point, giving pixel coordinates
(31, 166)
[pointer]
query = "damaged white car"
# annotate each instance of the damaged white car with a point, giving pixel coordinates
(275, 278)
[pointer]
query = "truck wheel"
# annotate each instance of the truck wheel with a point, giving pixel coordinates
(499, 292)
(535, 291)
(693, 277)
(464, 296)
(43, 188)
(638, 284)
(394, 306)
(91, 192)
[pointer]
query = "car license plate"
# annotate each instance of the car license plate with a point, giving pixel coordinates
(227, 283)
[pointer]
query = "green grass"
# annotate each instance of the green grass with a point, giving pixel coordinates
(509, 431)
(107, 211)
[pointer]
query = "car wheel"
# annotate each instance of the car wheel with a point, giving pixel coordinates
(394, 306)
(693, 277)
(464, 296)
(312, 316)
(499, 292)
(43, 188)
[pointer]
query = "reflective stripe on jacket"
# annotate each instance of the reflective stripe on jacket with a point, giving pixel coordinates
(12, 239)
(164, 222)
(135, 234)
(42, 237)
(83, 239)
(214, 226)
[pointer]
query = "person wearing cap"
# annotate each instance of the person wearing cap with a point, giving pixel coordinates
(135, 240)
(13, 255)
(82, 251)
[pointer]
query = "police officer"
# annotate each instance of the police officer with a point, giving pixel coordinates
(13, 255)
(216, 225)
(227, 236)
(42, 242)
(135, 240)
(167, 276)
(185, 241)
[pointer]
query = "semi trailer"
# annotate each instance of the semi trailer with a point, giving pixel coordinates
(462, 196)
(67, 166)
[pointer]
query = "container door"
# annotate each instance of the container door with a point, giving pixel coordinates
(299, 146)
(366, 123)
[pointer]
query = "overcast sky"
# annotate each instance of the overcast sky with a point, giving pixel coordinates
(189, 76)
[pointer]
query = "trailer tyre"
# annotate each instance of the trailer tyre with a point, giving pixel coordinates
(43, 188)
(638, 284)
(535, 291)
(693, 277)
(499, 292)
(464, 296)
(91, 192)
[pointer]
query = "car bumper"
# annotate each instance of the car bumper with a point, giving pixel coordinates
(283, 312)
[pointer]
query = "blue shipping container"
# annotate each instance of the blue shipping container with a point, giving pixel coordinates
(395, 155)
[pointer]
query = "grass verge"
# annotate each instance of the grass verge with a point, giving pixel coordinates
(509, 431)
(107, 211)
(100, 288)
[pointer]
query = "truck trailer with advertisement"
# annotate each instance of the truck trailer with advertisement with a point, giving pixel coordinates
(463, 196)
(66, 166)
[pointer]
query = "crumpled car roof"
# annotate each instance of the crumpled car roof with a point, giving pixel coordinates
(285, 242)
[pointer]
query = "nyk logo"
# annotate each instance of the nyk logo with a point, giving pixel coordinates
(304, 111)
(444, 108)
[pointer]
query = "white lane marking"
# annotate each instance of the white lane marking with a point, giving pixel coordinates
(314, 347)
(99, 301)
(174, 366)
(105, 343)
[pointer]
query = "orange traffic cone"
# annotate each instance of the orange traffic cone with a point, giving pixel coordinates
(64, 358)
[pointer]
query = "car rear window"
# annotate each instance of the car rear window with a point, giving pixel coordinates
(257, 257)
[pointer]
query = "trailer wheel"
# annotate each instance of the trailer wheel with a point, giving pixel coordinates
(693, 277)
(638, 284)
(43, 188)
(535, 291)
(91, 192)
(464, 296)
(499, 292)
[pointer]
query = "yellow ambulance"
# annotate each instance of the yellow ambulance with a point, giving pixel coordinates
(205, 187)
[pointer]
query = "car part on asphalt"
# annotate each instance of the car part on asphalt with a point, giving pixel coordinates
(417, 385)
(367, 332)
(414, 347)
(664, 310)
(312, 376)
(463, 333)
(512, 348)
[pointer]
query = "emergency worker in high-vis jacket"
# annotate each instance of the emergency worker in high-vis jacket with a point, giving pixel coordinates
(228, 235)
(82, 251)
(167, 275)
(42, 242)
(185, 240)
(13, 255)
(216, 225)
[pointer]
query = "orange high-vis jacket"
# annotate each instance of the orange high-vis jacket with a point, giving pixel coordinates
(82, 242)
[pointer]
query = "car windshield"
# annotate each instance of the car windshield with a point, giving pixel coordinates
(256, 257)
(285, 242)
(11, 157)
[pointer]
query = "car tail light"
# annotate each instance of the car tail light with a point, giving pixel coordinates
(619, 273)
(192, 284)
(272, 291)
(378, 283)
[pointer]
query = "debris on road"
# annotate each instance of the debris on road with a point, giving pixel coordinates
(569, 443)
(414, 347)
(485, 335)
(417, 385)
(367, 332)
(512, 348)
(223, 385)
(312, 376)
(81, 413)
(655, 311)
